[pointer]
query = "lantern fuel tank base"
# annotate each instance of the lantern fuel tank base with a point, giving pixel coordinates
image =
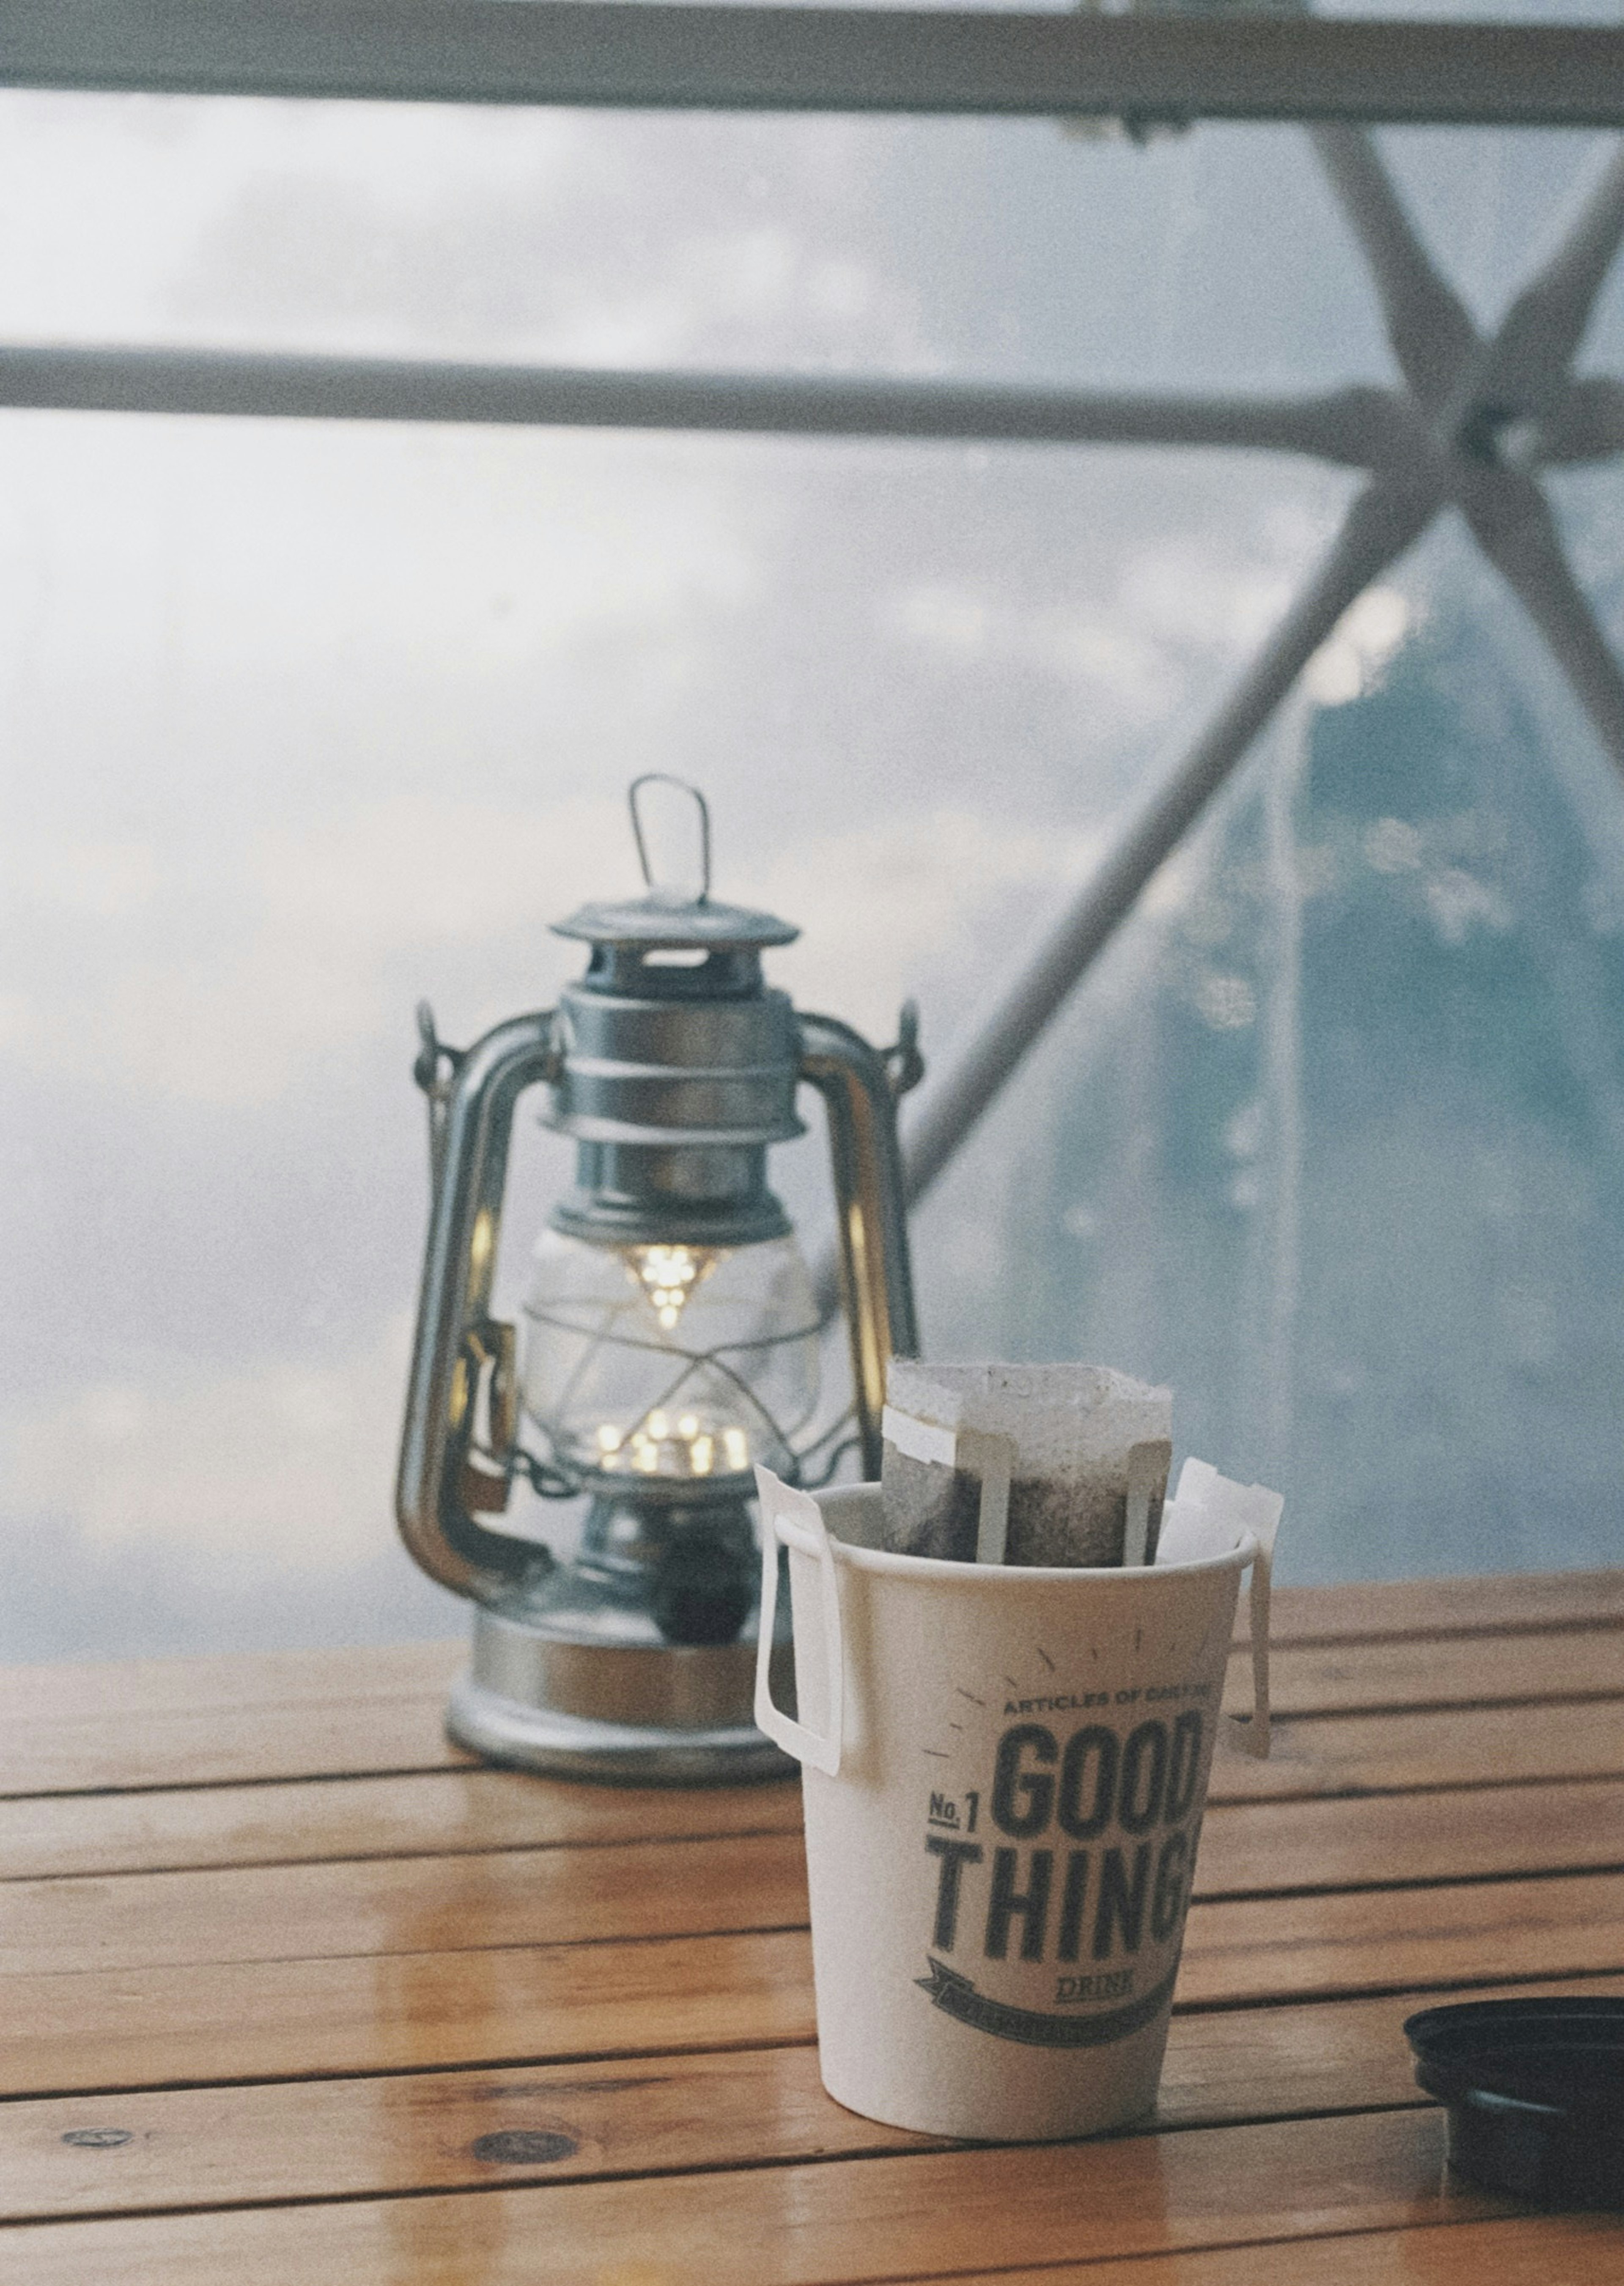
(629, 1713)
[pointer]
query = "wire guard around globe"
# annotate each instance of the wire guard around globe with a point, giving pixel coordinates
(670, 1366)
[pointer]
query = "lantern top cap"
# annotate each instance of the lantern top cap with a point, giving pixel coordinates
(672, 915)
(657, 920)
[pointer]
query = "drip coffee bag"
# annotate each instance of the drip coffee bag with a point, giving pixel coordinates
(1029, 1465)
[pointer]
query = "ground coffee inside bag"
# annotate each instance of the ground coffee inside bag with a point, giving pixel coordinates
(1087, 1452)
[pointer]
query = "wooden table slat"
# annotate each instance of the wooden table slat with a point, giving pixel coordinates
(383, 2012)
(226, 1745)
(1456, 1671)
(377, 1710)
(1374, 1840)
(1401, 1939)
(404, 1905)
(1320, 1842)
(1397, 1753)
(1525, 2249)
(347, 2138)
(378, 1737)
(860, 2219)
(301, 2019)
(226, 1683)
(1504, 1603)
(141, 2025)
(432, 1815)
(734, 1882)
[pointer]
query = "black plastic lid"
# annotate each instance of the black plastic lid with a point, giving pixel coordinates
(1534, 2091)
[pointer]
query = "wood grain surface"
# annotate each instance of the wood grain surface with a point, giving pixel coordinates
(1333, 1842)
(1392, 1678)
(375, 1709)
(733, 1882)
(1403, 1940)
(254, 2019)
(1453, 1746)
(351, 2137)
(123, 1690)
(1386, 1611)
(214, 1745)
(429, 1815)
(866, 2218)
(293, 1991)
(404, 1905)
(1522, 2250)
(1377, 1840)
(287, 2019)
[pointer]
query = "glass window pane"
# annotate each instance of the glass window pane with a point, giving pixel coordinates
(1334, 1139)
(312, 720)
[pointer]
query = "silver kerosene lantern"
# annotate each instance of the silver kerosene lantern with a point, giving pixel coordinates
(670, 1337)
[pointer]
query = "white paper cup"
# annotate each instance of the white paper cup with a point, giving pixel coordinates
(1004, 1770)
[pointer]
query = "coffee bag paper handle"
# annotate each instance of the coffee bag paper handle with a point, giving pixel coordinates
(983, 1453)
(1255, 1510)
(793, 1519)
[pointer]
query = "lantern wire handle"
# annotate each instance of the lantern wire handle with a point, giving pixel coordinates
(664, 778)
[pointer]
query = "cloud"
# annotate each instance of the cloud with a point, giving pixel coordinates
(1356, 655)
(96, 879)
(936, 897)
(311, 932)
(284, 1465)
(118, 191)
(300, 932)
(761, 290)
(1165, 615)
(425, 228)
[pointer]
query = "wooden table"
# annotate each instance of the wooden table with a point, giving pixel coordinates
(295, 1993)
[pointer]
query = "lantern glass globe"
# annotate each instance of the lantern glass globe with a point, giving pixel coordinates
(670, 1361)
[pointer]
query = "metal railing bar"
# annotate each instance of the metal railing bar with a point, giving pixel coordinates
(1379, 526)
(1587, 425)
(1429, 330)
(1351, 426)
(1512, 522)
(1525, 370)
(807, 59)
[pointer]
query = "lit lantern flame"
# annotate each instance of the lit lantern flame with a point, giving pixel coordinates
(687, 1447)
(669, 1275)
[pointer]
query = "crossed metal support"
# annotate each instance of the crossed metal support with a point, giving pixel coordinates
(1474, 418)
